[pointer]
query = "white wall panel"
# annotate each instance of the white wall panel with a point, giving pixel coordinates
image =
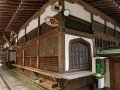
(78, 11)
(21, 33)
(98, 19)
(109, 24)
(32, 25)
(118, 29)
(67, 40)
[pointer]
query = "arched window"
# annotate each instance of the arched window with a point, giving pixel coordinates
(80, 54)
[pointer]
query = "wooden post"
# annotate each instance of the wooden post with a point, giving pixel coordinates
(16, 49)
(24, 48)
(37, 53)
(38, 26)
(17, 38)
(30, 61)
(92, 28)
(115, 32)
(38, 42)
(24, 57)
(61, 18)
(61, 46)
(61, 39)
(105, 28)
(25, 35)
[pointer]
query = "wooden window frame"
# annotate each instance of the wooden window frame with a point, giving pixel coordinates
(89, 54)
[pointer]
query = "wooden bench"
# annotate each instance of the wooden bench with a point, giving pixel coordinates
(56, 76)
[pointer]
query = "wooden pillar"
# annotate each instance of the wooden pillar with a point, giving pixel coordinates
(16, 57)
(38, 26)
(115, 32)
(61, 46)
(61, 17)
(92, 28)
(24, 56)
(17, 38)
(30, 61)
(116, 43)
(24, 48)
(25, 35)
(38, 42)
(106, 28)
(16, 49)
(61, 39)
(37, 53)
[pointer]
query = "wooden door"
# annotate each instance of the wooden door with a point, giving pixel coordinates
(115, 75)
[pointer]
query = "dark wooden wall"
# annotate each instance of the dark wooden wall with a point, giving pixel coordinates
(41, 52)
(5, 56)
(48, 53)
(115, 72)
(84, 83)
(20, 55)
(31, 54)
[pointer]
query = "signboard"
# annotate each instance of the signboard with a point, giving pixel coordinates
(56, 8)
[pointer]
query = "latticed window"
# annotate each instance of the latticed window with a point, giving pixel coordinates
(80, 54)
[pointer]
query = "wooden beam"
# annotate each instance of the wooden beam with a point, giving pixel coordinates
(26, 16)
(13, 15)
(7, 40)
(38, 1)
(22, 9)
(5, 6)
(98, 2)
(8, 1)
(7, 10)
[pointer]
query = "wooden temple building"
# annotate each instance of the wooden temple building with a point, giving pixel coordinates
(63, 44)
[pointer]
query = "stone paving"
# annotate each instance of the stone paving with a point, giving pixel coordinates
(3, 86)
(13, 82)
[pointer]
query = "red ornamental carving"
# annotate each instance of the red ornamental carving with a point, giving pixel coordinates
(52, 21)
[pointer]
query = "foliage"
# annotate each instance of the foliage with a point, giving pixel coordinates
(1, 54)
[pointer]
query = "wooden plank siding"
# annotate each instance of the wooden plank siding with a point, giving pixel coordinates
(98, 27)
(48, 52)
(20, 57)
(41, 52)
(78, 24)
(31, 54)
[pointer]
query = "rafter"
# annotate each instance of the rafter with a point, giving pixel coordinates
(13, 13)
(109, 7)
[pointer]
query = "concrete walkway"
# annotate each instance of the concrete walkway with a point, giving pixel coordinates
(13, 81)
